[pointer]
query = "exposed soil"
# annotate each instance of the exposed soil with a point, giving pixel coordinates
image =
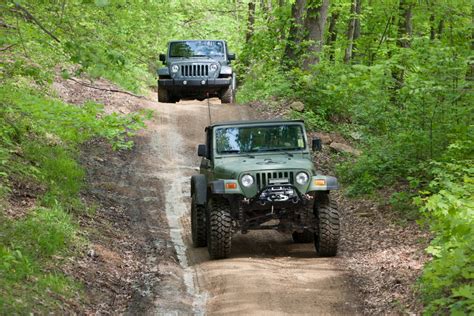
(141, 260)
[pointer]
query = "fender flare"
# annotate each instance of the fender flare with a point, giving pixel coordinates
(199, 187)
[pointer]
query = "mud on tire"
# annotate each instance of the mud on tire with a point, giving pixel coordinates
(327, 236)
(219, 228)
(198, 223)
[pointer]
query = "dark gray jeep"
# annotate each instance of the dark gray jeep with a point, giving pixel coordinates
(196, 69)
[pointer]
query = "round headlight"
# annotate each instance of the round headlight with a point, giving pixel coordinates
(213, 67)
(247, 180)
(174, 68)
(302, 178)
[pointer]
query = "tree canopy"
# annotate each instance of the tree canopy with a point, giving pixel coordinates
(398, 73)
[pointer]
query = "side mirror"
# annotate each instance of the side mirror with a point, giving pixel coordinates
(231, 56)
(202, 150)
(162, 58)
(316, 144)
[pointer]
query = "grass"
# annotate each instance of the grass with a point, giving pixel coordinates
(30, 251)
(39, 145)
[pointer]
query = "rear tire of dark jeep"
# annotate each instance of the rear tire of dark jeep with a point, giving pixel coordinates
(327, 236)
(228, 95)
(303, 238)
(219, 228)
(198, 223)
(163, 95)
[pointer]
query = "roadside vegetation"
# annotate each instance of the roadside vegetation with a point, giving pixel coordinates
(40, 177)
(394, 76)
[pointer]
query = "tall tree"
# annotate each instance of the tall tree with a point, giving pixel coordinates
(250, 22)
(332, 36)
(315, 23)
(405, 26)
(353, 31)
(404, 34)
(296, 34)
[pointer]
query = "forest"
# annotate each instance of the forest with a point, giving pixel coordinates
(395, 76)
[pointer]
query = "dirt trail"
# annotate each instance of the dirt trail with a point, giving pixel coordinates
(266, 274)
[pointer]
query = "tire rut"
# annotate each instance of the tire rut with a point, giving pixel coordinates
(266, 272)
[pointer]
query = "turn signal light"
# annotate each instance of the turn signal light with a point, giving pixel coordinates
(231, 185)
(319, 182)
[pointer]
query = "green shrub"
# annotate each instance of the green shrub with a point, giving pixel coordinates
(263, 82)
(448, 279)
(39, 144)
(27, 246)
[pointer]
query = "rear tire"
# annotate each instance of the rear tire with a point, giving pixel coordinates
(327, 236)
(219, 228)
(198, 223)
(303, 238)
(228, 95)
(163, 95)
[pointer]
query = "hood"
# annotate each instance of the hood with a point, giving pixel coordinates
(232, 167)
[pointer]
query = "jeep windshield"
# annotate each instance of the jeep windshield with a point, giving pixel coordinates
(187, 49)
(242, 140)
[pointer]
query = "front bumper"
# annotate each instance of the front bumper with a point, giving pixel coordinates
(232, 186)
(193, 83)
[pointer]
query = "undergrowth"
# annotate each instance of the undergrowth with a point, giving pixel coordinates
(39, 147)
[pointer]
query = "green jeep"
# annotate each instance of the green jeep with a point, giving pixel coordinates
(259, 175)
(196, 69)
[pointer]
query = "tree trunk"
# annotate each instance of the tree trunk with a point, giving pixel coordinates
(470, 66)
(440, 28)
(357, 27)
(405, 27)
(332, 37)
(296, 34)
(350, 33)
(315, 23)
(432, 27)
(404, 34)
(353, 31)
(250, 22)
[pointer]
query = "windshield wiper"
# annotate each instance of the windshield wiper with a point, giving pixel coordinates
(231, 151)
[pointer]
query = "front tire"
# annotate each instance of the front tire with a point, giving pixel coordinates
(163, 95)
(219, 228)
(198, 223)
(326, 238)
(228, 95)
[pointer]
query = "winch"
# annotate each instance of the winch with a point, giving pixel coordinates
(278, 193)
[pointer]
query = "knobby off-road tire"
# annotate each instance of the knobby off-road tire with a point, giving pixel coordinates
(198, 223)
(219, 228)
(228, 95)
(303, 238)
(163, 95)
(327, 236)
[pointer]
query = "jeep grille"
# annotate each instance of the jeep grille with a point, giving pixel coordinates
(263, 178)
(197, 70)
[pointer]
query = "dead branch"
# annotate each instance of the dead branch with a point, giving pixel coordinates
(105, 89)
(4, 48)
(7, 26)
(30, 17)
